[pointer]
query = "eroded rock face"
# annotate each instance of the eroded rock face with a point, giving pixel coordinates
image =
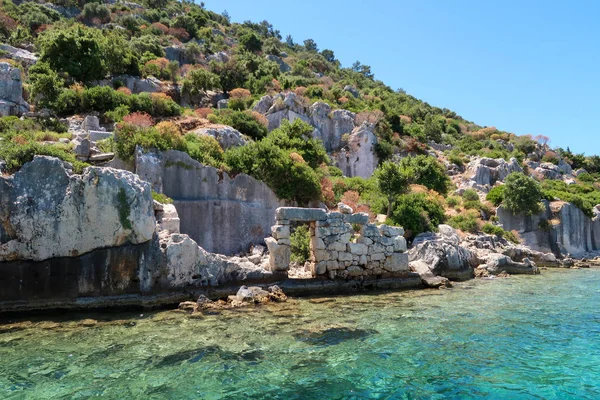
(11, 91)
(483, 173)
(443, 254)
(222, 214)
(46, 211)
(331, 126)
(359, 158)
(560, 228)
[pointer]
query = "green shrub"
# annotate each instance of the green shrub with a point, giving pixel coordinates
(76, 50)
(522, 194)
(243, 122)
(453, 201)
(466, 222)
(427, 172)
(162, 198)
(204, 149)
(297, 137)
(470, 195)
(491, 229)
(15, 155)
(496, 195)
(300, 244)
(418, 213)
(289, 179)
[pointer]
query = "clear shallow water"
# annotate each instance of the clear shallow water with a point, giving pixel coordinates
(521, 337)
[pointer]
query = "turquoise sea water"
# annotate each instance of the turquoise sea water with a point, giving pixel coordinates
(520, 337)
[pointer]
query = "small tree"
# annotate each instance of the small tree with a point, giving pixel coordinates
(392, 181)
(522, 194)
(200, 80)
(310, 45)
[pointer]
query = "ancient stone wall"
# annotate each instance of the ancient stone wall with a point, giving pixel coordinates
(336, 250)
(222, 214)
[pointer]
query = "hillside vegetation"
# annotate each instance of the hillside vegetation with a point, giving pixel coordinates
(194, 57)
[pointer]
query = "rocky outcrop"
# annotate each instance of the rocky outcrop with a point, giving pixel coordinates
(483, 173)
(443, 254)
(560, 228)
(46, 211)
(21, 55)
(358, 158)
(283, 66)
(226, 136)
(546, 170)
(499, 263)
(284, 106)
(11, 91)
(222, 214)
(331, 126)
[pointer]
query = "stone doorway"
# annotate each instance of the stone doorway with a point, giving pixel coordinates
(377, 251)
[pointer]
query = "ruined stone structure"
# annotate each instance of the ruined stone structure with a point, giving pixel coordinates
(336, 250)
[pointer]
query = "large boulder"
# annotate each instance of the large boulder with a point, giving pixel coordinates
(226, 136)
(499, 263)
(358, 158)
(11, 91)
(47, 211)
(443, 254)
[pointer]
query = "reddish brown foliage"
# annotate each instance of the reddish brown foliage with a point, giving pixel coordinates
(180, 34)
(161, 27)
(203, 112)
(327, 192)
(239, 93)
(300, 90)
(261, 119)
(7, 23)
(371, 117)
(124, 90)
(140, 119)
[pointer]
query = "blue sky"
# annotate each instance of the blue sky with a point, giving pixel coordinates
(521, 66)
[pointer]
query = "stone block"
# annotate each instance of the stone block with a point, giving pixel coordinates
(331, 274)
(90, 123)
(337, 246)
(376, 248)
(362, 260)
(364, 240)
(345, 238)
(370, 230)
(399, 244)
(322, 231)
(343, 256)
(317, 243)
(300, 214)
(335, 215)
(377, 256)
(279, 255)
(386, 241)
(286, 242)
(391, 231)
(358, 248)
(280, 231)
(359, 218)
(354, 271)
(345, 209)
(397, 262)
(320, 268)
(332, 265)
(321, 255)
(100, 135)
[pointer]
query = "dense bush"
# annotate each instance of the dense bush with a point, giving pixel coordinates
(466, 222)
(583, 196)
(75, 50)
(428, 172)
(243, 122)
(290, 178)
(417, 213)
(496, 195)
(522, 194)
(300, 244)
